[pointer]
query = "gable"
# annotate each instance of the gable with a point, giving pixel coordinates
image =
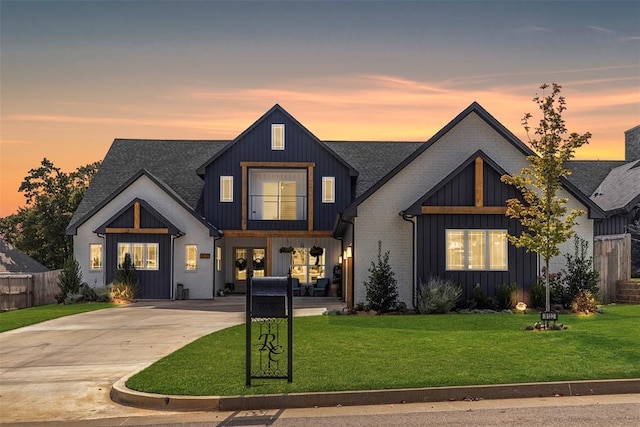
(138, 217)
(473, 187)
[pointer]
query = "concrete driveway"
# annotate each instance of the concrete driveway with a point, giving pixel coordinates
(63, 369)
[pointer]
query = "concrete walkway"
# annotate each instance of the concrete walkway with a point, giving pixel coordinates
(63, 369)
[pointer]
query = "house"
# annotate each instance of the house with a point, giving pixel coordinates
(202, 213)
(15, 262)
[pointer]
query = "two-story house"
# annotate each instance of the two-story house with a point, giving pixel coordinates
(278, 199)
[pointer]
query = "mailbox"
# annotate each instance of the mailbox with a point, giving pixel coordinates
(269, 297)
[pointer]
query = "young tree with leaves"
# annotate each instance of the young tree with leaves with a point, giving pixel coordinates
(382, 289)
(542, 212)
(52, 197)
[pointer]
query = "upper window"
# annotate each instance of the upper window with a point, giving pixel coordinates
(143, 255)
(277, 137)
(191, 257)
(277, 194)
(95, 256)
(328, 189)
(226, 189)
(476, 250)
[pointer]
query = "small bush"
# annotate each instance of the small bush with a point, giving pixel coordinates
(70, 279)
(124, 291)
(438, 296)
(584, 302)
(125, 286)
(382, 290)
(506, 296)
(481, 300)
(537, 294)
(580, 277)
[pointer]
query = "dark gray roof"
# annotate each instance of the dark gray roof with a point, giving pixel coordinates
(620, 190)
(587, 175)
(174, 162)
(372, 159)
(14, 261)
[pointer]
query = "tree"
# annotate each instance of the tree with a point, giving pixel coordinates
(52, 197)
(70, 278)
(542, 212)
(382, 291)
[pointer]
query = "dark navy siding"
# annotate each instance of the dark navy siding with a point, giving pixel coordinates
(255, 146)
(431, 253)
(154, 284)
(616, 224)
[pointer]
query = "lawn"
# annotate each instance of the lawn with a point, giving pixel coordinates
(28, 316)
(383, 352)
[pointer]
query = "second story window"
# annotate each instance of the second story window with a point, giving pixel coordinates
(277, 194)
(328, 189)
(277, 137)
(226, 189)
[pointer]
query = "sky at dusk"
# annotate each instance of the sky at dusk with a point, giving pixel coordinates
(75, 75)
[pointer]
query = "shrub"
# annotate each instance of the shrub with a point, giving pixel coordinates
(481, 300)
(382, 290)
(580, 277)
(506, 296)
(537, 294)
(125, 286)
(69, 279)
(438, 295)
(584, 302)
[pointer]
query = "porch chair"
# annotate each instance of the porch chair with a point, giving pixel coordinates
(295, 284)
(321, 287)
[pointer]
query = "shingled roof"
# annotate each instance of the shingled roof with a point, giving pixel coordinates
(174, 162)
(587, 175)
(620, 190)
(372, 159)
(14, 261)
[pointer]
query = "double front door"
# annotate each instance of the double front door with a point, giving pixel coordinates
(245, 259)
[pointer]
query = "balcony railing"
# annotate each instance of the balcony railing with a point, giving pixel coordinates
(277, 208)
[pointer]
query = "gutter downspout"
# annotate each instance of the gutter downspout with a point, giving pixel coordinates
(173, 261)
(409, 218)
(215, 261)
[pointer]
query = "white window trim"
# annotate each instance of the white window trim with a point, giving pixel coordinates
(186, 258)
(487, 257)
(279, 146)
(328, 183)
(100, 263)
(223, 180)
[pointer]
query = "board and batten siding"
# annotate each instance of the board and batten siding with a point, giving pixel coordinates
(378, 216)
(255, 146)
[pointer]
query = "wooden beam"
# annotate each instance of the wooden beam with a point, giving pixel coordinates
(268, 256)
(136, 215)
(245, 184)
(463, 210)
(111, 230)
(277, 164)
(479, 186)
(277, 233)
(310, 197)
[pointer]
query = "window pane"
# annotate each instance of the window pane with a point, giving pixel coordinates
(218, 258)
(226, 189)
(123, 248)
(137, 255)
(270, 200)
(240, 258)
(258, 262)
(455, 249)
(476, 249)
(191, 255)
(288, 200)
(328, 189)
(152, 256)
(95, 256)
(299, 263)
(498, 250)
(277, 137)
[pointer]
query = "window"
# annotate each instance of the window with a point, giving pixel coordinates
(277, 194)
(95, 256)
(143, 255)
(277, 137)
(226, 189)
(191, 257)
(307, 268)
(328, 189)
(218, 258)
(476, 250)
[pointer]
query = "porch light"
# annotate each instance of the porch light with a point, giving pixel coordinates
(340, 259)
(521, 307)
(349, 254)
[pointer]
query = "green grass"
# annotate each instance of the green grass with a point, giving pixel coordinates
(383, 352)
(28, 316)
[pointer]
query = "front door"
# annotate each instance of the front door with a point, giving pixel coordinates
(245, 259)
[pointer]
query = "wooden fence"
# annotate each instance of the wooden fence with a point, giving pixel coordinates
(28, 290)
(612, 259)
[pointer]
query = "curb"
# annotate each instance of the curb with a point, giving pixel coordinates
(125, 396)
